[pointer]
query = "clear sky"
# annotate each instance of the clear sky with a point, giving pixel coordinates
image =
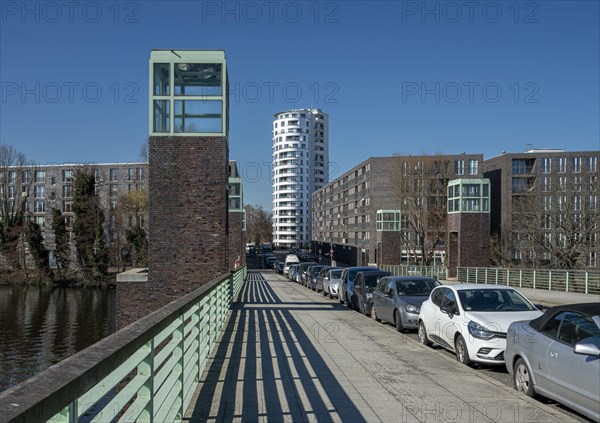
(399, 77)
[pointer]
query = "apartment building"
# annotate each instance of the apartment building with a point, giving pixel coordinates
(545, 210)
(389, 210)
(300, 166)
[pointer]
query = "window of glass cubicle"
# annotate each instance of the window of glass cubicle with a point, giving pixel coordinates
(188, 97)
(469, 195)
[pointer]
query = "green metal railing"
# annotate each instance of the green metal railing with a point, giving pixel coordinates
(146, 372)
(552, 280)
(438, 272)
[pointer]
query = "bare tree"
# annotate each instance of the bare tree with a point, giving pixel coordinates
(557, 218)
(259, 224)
(419, 185)
(129, 226)
(16, 178)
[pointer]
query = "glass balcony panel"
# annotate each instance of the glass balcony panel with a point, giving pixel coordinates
(161, 79)
(161, 116)
(198, 79)
(193, 116)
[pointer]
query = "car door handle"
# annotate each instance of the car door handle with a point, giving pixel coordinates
(553, 354)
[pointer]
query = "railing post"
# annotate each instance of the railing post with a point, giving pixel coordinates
(587, 281)
(476, 274)
(520, 278)
(567, 281)
(467, 274)
(549, 280)
(146, 367)
(534, 278)
(496, 276)
(73, 412)
(181, 347)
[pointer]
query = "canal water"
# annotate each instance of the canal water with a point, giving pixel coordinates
(40, 326)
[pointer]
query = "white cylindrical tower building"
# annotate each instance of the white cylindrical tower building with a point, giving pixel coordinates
(300, 166)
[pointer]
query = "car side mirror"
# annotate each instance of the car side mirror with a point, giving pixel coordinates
(587, 348)
(449, 310)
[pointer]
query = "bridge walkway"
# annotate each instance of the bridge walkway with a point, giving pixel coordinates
(288, 354)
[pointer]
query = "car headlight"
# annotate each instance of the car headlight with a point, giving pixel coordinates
(411, 309)
(478, 331)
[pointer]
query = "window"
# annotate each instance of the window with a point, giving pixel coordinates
(41, 221)
(12, 191)
(12, 177)
(26, 177)
(473, 167)
(39, 206)
(40, 176)
(459, 167)
(114, 190)
(67, 191)
(592, 164)
(38, 191)
(67, 206)
(546, 166)
(562, 164)
(576, 164)
(67, 176)
(388, 220)
(140, 173)
(546, 184)
(114, 175)
(130, 174)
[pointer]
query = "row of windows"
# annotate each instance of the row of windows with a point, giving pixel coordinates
(575, 164)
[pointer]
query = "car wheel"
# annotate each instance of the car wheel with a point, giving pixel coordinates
(462, 353)
(398, 322)
(374, 314)
(522, 380)
(422, 334)
(363, 308)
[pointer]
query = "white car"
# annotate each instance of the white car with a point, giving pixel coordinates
(332, 282)
(471, 320)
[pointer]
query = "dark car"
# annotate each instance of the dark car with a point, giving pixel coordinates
(301, 276)
(398, 299)
(279, 267)
(311, 276)
(364, 285)
(346, 291)
(557, 355)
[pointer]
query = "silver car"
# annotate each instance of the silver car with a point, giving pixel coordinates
(332, 282)
(398, 299)
(557, 355)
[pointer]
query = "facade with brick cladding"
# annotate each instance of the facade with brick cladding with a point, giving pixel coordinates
(345, 211)
(529, 190)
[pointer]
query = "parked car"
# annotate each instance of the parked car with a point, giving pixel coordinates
(289, 260)
(332, 281)
(311, 276)
(269, 259)
(322, 275)
(279, 266)
(301, 278)
(557, 355)
(292, 272)
(472, 319)
(364, 285)
(347, 288)
(398, 299)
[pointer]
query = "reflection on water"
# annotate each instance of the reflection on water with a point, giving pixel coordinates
(40, 326)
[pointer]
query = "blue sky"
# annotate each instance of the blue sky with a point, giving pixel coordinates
(395, 77)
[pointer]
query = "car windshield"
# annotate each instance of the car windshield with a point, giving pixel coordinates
(493, 300)
(415, 288)
(371, 280)
(316, 270)
(336, 274)
(352, 272)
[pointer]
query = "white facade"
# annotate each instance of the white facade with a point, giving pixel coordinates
(300, 167)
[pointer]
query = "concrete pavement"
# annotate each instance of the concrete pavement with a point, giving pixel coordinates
(290, 355)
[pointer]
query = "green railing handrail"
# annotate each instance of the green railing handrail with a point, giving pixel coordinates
(577, 281)
(438, 272)
(154, 363)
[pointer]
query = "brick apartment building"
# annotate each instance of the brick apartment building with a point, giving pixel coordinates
(545, 210)
(537, 209)
(47, 187)
(389, 210)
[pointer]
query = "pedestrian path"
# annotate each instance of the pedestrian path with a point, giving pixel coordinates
(290, 355)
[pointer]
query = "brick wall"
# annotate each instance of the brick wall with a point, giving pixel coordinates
(391, 247)
(472, 248)
(188, 234)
